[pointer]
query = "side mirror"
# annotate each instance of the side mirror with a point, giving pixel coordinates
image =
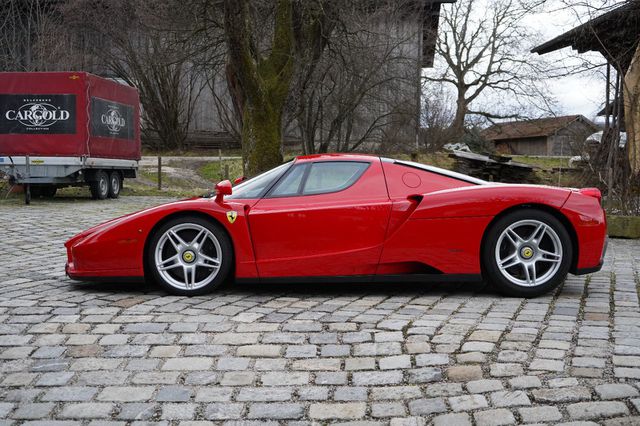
(239, 180)
(223, 188)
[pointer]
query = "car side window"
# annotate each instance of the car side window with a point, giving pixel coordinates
(332, 176)
(291, 184)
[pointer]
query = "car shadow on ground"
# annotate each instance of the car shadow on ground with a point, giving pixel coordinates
(390, 288)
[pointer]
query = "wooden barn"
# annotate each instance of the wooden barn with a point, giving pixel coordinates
(554, 136)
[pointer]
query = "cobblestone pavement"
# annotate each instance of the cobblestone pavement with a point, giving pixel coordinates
(379, 354)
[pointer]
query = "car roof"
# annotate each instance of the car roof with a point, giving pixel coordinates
(369, 158)
(335, 157)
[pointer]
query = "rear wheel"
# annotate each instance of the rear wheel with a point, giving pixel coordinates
(528, 253)
(100, 186)
(190, 256)
(115, 184)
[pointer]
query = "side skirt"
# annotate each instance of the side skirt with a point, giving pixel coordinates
(426, 278)
(108, 279)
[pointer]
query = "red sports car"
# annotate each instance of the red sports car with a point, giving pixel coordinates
(353, 218)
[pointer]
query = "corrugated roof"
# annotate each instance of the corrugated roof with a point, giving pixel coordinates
(532, 128)
(615, 34)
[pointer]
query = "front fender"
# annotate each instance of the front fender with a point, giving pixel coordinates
(116, 248)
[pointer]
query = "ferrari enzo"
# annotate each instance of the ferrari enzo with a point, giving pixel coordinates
(353, 218)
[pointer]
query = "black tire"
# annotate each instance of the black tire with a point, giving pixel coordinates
(156, 245)
(99, 186)
(36, 191)
(553, 273)
(27, 194)
(48, 191)
(115, 184)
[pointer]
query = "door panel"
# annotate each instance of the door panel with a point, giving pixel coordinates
(338, 233)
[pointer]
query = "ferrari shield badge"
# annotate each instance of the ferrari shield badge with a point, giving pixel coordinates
(231, 216)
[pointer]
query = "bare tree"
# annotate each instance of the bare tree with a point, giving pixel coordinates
(360, 91)
(25, 35)
(435, 118)
(143, 43)
(483, 54)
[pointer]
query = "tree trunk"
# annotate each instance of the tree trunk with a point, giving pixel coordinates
(261, 137)
(264, 82)
(456, 129)
(632, 111)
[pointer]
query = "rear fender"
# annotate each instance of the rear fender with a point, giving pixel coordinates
(486, 200)
(445, 230)
(590, 223)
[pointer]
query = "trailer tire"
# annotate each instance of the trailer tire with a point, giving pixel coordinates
(99, 186)
(27, 194)
(35, 192)
(48, 191)
(115, 184)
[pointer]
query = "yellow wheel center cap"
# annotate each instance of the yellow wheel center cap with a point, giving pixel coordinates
(527, 252)
(188, 256)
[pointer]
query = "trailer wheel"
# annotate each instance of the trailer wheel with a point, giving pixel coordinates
(100, 186)
(27, 194)
(35, 192)
(115, 184)
(48, 191)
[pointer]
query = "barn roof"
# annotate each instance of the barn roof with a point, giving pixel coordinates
(541, 127)
(614, 34)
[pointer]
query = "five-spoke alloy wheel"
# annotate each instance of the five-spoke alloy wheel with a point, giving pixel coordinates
(189, 255)
(528, 253)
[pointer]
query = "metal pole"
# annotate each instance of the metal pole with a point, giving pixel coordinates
(220, 162)
(159, 172)
(421, 24)
(27, 186)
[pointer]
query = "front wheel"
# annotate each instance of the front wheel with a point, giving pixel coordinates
(527, 253)
(190, 256)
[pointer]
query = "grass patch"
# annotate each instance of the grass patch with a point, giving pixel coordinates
(438, 159)
(199, 153)
(546, 163)
(623, 226)
(216, 171)
(170, 185)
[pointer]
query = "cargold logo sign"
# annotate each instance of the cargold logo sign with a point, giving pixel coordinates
(110, 119)
(37, 114)
(113, 120)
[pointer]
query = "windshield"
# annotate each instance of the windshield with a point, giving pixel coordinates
(255, 187)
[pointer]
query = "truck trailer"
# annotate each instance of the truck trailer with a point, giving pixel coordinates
(61, 129)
